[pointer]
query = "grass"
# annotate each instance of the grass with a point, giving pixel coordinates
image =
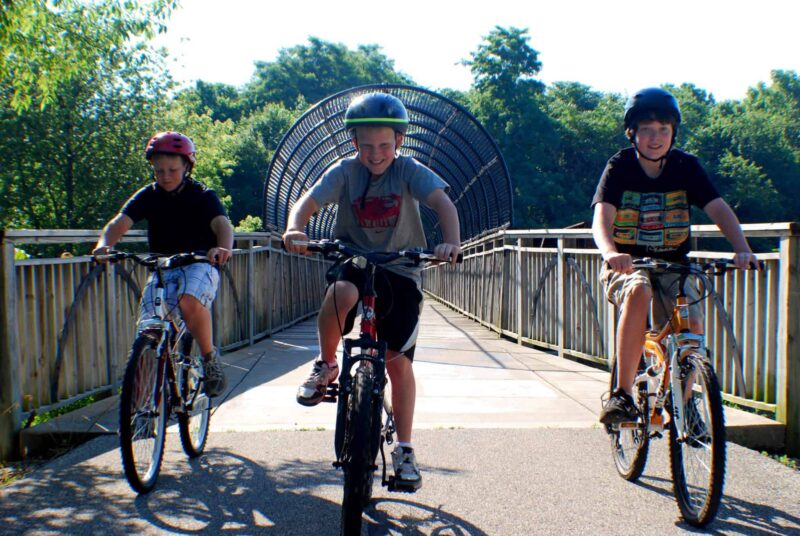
(788, 461)
(62, 410)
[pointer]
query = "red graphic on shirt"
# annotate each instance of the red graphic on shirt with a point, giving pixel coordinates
(377, 212)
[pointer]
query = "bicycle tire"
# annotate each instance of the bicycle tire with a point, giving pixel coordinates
(630, 446)
(698, 463)
(194, 422)
(143, 413)
(358, 461)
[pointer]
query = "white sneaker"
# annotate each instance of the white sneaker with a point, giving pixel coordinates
(406, 472)
(312, 391)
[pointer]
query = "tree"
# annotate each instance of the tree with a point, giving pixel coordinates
(71, 164)
(508, 101)
(48, 44)
(317, 70)
(589, 125)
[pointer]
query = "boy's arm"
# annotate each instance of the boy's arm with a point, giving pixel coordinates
(447, 213)
(112, 232)
(602, 225)
(301, 212)
(723, 216)
(223, 230)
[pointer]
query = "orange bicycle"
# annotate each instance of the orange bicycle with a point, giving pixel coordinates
(676, 388)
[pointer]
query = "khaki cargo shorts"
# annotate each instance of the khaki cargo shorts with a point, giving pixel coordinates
(618, 287)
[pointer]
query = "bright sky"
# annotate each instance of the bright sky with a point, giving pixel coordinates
(723, 46)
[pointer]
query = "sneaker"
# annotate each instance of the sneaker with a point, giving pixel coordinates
(406, 472)
(312, 391)
(696, 431)
(619, 408)
(214, 382)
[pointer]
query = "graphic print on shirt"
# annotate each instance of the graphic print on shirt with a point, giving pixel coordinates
(378, 212)
(656, 220)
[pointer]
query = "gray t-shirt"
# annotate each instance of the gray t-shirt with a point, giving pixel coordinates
(379, 215)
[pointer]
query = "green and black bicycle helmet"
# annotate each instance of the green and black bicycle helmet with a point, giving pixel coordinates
(651, 103)
(377, 110)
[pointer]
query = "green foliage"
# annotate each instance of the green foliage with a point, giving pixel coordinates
(250, 224)
(70, 165)
(48, 45)
(309, 73)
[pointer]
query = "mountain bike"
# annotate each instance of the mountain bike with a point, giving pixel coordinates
(676, 388)
(161, 377)
(360, 391)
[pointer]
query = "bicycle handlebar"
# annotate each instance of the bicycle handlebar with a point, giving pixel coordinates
(715, 266)
(154, 260)
(331, 248)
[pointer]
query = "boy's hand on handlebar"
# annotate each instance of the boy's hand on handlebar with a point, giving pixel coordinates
(219, 255)
(447, 252)
(619, 262)
(745, 259)
(102, 250)
(289, 239)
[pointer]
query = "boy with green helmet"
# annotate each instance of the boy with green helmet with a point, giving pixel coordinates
(377, 194)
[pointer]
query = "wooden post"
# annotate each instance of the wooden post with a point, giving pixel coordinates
(251, 292)
(788, 410)
(10, 410)
(112, 326)
(519, 290)
(562, 299)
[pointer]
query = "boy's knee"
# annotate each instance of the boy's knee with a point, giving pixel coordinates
(639, 294)
(344, 293)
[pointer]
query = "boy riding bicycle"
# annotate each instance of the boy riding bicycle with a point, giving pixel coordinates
(183, 216)
(378, 194)
(641, 209)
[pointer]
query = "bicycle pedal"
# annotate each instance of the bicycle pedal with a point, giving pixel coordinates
(331, 393)
(402, 486)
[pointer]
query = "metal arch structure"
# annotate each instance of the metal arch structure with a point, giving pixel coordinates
(442, 134)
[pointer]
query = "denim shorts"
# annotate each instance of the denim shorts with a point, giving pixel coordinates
(199, 280)
(618, 286)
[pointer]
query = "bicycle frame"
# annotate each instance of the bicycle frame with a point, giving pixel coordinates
(674, 340)
(373, 354)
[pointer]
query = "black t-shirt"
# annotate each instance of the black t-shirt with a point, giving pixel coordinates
(653, 215)
(177, 222)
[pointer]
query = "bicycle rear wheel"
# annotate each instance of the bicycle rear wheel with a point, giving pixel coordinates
(143, 415)
(358, 460)
(194, 421)
(697, 457)
(630, 445)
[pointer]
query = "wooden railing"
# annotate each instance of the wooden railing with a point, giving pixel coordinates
(542, 288)
(68, 323)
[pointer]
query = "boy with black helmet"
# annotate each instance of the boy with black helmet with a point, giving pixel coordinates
(642, 209)
(183, 216)
(377, 193)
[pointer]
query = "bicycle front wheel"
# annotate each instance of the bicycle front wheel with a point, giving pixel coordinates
(697, 453)
(143, 415)
(358, 460)
(193, 422)
(630, 444)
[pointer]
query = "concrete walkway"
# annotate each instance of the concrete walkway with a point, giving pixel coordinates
(467, 377)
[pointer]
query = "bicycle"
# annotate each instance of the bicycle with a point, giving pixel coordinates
(360, 429)
(674, 360)
(161, 377)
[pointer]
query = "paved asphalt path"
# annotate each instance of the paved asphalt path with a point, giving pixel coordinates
(506, 436)
(477, 482)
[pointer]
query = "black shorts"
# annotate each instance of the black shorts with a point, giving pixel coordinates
(397, 306)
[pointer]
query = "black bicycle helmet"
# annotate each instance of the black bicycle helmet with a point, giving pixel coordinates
(377, 110)
(653, 100)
